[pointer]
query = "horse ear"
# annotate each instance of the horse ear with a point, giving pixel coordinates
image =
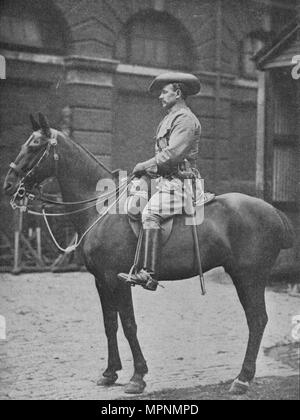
(34, 123)
(44, 124)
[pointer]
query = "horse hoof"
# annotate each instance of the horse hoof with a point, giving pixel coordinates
(238, 387)
(135, 387)
(107, 380)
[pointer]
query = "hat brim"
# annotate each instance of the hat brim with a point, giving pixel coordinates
(191, 82)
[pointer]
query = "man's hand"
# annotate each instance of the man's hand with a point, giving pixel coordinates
(139, 169)
(149, 167)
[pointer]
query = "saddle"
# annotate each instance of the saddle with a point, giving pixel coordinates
(167, 225)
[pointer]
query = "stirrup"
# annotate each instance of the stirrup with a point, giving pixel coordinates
(143, 278)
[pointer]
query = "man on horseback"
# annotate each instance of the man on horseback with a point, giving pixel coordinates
(176, 153)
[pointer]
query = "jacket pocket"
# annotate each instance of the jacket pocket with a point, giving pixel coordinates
(163, 139)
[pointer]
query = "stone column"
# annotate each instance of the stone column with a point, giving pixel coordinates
(298, 11)
(297, 85)
(260, 138)
(89, 89)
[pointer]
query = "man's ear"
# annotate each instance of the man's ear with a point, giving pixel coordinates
(178, 93)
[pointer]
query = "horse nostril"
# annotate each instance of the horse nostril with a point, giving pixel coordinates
(8, 186)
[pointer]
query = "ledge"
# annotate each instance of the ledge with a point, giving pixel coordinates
(90, 63)
(33, 57)
(70, 62)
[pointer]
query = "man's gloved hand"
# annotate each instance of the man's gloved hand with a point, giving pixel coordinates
(139, 169)
(149, 167)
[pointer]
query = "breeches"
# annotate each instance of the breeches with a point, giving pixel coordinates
(170, 197)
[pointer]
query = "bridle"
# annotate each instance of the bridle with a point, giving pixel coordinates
(22, 194)
(28, 173)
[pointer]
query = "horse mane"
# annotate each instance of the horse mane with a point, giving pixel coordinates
(91, 155)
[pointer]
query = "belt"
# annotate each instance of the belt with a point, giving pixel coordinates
(186, 173)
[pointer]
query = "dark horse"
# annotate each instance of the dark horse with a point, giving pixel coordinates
(243, 234)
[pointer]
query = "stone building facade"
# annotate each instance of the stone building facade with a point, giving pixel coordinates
(90, 62)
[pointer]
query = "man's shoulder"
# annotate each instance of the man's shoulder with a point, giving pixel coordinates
(185, 114)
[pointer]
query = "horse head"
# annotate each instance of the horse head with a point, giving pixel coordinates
(32, 165)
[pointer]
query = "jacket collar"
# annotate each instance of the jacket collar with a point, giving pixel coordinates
(176, 108)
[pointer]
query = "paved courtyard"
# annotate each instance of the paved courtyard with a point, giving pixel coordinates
(56, 346)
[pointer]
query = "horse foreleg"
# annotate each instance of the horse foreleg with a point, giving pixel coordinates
(126, 311)
(251, 292)
(110, 318)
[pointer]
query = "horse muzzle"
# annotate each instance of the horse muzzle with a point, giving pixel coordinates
(11, 184)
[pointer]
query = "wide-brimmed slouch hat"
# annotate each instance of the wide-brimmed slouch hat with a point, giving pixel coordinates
(191, 82)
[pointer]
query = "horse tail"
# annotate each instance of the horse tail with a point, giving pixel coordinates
(288, 233)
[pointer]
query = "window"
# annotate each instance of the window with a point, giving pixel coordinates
(31, 26)
(20, 31)
(156, 40)
(281, 17)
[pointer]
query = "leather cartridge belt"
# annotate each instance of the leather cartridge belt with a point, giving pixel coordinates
(183, 170)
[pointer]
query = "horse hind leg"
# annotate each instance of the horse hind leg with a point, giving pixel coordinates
(110, 318)
(126, 312)
(250, 287)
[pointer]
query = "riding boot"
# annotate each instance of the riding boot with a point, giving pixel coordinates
(148, 275)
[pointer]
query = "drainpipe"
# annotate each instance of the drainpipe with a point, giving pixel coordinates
(297, 85)
(218, 87)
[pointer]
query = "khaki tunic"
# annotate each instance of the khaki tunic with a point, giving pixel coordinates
(177, 140)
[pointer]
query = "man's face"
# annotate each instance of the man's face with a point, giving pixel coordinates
(169, 96)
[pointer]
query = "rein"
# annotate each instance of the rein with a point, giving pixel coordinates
(77, 242)
(23, 194)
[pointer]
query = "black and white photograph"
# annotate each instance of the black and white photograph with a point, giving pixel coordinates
(149, 202)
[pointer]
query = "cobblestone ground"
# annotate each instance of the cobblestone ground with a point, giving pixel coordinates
(56, 346)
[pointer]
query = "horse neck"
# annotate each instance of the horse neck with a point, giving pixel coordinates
(78, 174)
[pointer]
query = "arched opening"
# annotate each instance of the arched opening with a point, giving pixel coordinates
(155, 39)
(34, 26)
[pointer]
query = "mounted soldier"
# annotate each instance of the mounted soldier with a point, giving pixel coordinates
(242, 234)
(176, 153)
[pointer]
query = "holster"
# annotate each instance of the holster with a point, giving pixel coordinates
(187, 171)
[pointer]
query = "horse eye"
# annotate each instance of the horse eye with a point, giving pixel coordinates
(36, 142)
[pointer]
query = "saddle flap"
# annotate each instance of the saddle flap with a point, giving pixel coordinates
(166, 228)
(167, 225)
